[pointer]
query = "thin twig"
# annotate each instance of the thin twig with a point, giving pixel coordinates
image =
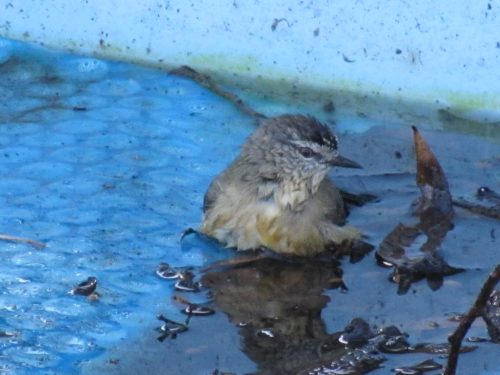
(206, 81)
(235, 262)
(6, 237)
(455, 339)
(493, 212)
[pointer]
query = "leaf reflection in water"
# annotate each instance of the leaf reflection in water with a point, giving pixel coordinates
(435, 213)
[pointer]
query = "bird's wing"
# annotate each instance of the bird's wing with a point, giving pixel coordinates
(211, 195)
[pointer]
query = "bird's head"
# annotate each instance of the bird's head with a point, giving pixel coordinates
(295, 147)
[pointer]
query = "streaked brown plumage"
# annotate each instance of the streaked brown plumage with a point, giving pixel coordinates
(276, 194)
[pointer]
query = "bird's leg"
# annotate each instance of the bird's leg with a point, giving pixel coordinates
(188, 232)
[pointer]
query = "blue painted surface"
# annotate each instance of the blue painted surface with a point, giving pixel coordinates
(109, 188)
(108, 163)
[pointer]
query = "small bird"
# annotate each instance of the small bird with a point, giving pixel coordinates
(276, 193)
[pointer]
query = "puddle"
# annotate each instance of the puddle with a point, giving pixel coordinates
(107, 163)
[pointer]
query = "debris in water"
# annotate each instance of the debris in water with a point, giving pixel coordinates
(419, 368)
(435, 211)
(491, 316)
(37, 244)
(186, 282)
(170, 328)
(85, 288)
(165, 271)
(206, 81)
(483, 194)
(479, 308)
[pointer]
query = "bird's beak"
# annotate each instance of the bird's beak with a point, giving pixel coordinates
(340, 161)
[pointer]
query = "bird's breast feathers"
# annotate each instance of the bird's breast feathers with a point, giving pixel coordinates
(280, 222)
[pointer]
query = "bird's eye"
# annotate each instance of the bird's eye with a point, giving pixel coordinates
(306, 152)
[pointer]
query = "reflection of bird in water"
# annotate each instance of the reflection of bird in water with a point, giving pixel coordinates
(276, 194)
(277, 306)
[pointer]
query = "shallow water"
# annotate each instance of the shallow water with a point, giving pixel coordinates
(108, 163)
